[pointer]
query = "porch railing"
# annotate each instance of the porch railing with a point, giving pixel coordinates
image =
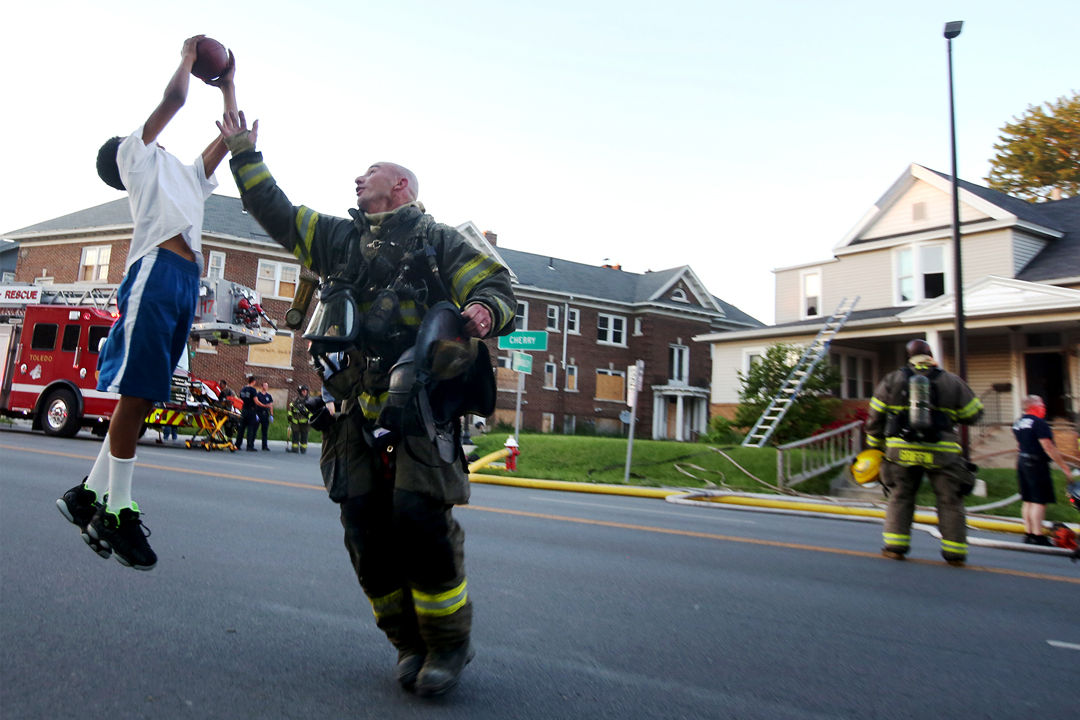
(804, 459)
(992, 410)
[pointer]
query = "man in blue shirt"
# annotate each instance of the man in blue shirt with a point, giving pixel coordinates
(1037, 449)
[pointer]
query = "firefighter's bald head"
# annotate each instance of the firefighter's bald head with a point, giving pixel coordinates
(386, 186)
(919, 347)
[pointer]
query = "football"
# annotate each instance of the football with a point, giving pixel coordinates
(211, 59)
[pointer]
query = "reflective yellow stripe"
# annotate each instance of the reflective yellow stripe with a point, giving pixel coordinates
(943, 446)
(896, 538)
(251, 175)
(370, 405)
(446, 603)
(876, 404)
(470, 275)
(306, 219)
(970, 410)
(874, 442)
(954, 547)
(408, 312)
(505, 313)
(391, 604)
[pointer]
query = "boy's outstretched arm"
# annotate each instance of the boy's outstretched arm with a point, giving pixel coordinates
(216, 151)
(175, 93)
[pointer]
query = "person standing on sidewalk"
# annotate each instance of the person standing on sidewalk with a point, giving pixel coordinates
(1037, 449)
(299, 417)
(264, 403)
(249, 416)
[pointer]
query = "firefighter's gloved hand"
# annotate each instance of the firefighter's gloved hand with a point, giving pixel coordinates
(321, 417)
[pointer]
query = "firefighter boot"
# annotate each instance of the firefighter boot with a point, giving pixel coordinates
(446, 637)
(395, 616)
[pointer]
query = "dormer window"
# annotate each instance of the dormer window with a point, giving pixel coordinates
(679, 295)
(920, 273)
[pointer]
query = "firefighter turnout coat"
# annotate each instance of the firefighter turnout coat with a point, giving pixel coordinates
(910, 454)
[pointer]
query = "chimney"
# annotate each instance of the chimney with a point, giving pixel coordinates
(491, 238)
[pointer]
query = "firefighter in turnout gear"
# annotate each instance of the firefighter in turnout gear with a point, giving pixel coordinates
(299, 415)
(383, 271)
(913, 415)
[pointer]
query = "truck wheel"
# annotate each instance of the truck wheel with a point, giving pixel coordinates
(60, 418)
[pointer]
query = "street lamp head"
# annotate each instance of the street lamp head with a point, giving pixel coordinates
(952, 29)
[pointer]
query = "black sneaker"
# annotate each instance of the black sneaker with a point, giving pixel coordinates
(79, 506)
(125, 535)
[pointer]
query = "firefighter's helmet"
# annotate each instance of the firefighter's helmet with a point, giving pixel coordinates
(867, 467)
(302, 388)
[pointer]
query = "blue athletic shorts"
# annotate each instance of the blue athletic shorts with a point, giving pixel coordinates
(156, 302)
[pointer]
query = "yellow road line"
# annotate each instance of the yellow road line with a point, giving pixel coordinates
(604, 523)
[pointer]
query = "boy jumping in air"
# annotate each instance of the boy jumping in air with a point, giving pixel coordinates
(156, 304)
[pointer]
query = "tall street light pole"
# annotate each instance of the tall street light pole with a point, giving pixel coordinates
(952, 29)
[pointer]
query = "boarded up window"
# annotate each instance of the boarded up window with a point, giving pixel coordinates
(506, 379)
(609, 386)
(276, 353)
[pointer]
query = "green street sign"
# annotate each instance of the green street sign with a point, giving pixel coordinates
(524, 340)
(521, 362)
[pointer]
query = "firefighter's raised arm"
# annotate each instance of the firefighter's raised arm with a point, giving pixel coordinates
(299, 229)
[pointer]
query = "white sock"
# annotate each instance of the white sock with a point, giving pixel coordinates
(120, 472)
(98, 479)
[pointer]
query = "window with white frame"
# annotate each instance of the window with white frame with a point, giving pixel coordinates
(94, 265)
(857, 373)
(215, 265)
(637, 327)
(521, 317)
(920, 273)
(569, 424)
(9, 277)
(550, 376)
(752, 356)
(573, 320)
(553, 318)
(547, 422)
(610, 329)
(678, 363)
(610, 384)
(811, 294)
(277, 279)
(679, 295)
(571, 378)
(504, 361)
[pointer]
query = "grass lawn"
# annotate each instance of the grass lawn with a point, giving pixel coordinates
(602, 460)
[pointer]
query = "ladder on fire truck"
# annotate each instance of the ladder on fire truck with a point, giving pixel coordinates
(783, 400)
(101, 297)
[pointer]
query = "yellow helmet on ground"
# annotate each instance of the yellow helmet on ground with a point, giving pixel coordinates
(866, 467)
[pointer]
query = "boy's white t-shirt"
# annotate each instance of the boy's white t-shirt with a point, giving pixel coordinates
(166, 196)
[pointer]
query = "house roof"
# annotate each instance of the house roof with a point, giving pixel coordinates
(572, 278)
(223, 216)
(1061, 257)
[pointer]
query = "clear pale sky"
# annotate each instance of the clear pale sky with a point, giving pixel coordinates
(732, 137)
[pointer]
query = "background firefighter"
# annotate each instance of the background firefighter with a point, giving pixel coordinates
(912, 419)
(389, 263)
(299, 415)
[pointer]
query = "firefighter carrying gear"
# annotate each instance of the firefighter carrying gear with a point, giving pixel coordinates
(867, 468)
(933, 450)
(381, 274)
(299, 416)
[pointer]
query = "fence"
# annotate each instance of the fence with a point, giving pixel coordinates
(818, 454)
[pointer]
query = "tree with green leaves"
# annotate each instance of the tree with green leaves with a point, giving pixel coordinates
(1040, 152)
(814, 406)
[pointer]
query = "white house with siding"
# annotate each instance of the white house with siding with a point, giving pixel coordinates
(1021, 276)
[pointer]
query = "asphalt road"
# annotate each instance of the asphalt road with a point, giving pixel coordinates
(587, 606)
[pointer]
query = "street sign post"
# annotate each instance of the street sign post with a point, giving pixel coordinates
(521, 363)
(635, 381)
(524, 340)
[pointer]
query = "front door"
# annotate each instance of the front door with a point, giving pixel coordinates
(1045, 374)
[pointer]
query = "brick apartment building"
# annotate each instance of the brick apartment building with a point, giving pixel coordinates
(599, 320)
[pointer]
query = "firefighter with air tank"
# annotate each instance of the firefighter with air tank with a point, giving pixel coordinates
(913, 417)
(299, 415)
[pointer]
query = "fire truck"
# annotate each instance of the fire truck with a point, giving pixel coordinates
(50, 337)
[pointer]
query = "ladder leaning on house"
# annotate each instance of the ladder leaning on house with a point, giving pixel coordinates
(785, 397)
